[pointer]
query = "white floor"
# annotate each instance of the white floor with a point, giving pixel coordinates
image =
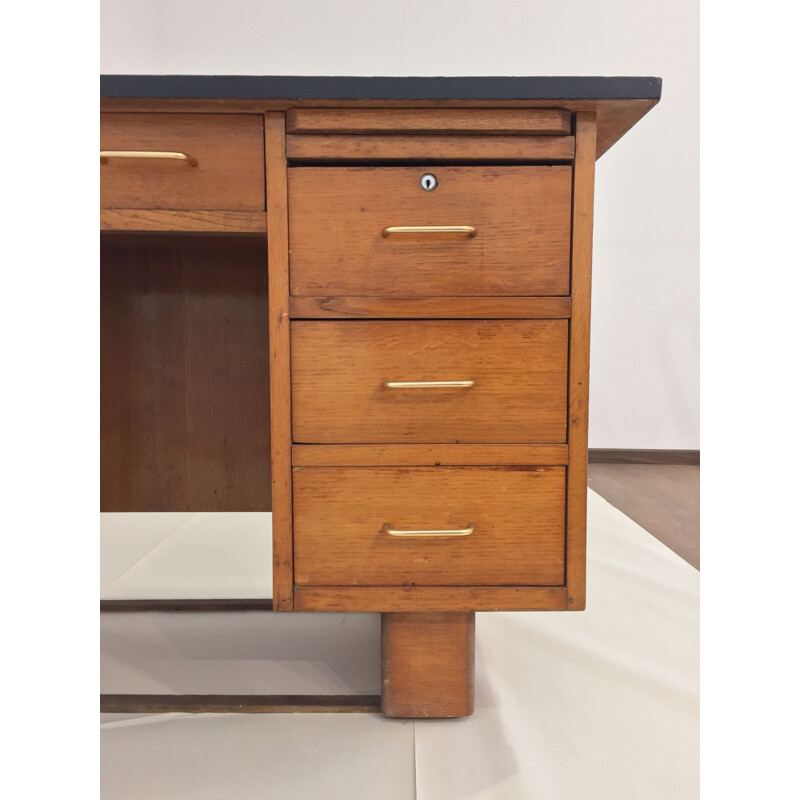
(569, 706)
(186, 555)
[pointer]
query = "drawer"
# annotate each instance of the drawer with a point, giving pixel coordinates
(520, 243)
(504, 381)
(429, 526)
(226, 170)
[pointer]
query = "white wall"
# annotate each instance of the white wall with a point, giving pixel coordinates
(645, 327)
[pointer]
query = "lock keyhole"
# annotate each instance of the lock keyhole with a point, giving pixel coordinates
(428, 182)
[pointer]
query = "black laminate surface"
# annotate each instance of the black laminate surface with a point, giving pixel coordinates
(294, 87)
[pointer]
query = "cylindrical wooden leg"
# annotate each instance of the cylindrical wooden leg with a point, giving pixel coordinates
(428, 663)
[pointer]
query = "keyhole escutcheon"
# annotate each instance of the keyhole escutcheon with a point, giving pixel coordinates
(428, 182)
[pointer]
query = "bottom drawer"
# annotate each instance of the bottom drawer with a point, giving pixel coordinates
(429, 526)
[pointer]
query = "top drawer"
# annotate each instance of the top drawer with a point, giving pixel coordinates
(225, 171)
(512, 232)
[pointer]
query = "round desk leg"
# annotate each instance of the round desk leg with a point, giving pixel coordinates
(428, 664)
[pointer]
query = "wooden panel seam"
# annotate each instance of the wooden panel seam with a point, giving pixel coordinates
(346, 147)
(432, 598)
(427, 455)
(191, 221)
(544, 121)
(432, 307)
(280, 385)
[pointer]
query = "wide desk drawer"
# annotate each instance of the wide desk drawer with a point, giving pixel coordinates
(482, 231)
(429, 526)
(182, 161)
(431, 381)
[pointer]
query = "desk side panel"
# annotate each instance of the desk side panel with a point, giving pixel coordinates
(581, 290)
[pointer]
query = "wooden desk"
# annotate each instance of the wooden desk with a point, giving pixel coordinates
(366, 310)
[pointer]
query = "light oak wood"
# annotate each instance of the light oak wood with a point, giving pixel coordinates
(407, 455)
(137, 219)
(581, 289)
(428, 664)
(614, 117)
(430, 307)
(521, 215)
(183, 373)
(430, 148)
(238, 704)
(229, 149)
(340, 516)
(427, 598)
(339, 370)
(279, 381)
(542, 121)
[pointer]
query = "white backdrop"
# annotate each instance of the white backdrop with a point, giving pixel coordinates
(645, 327)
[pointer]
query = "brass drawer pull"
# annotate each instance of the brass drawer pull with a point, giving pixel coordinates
(106, 154)
(423, 533)
(469, 230)
(428, 384)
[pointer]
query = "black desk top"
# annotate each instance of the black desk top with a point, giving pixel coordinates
(289, 87)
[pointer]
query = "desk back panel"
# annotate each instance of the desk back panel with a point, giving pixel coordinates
(184, 373)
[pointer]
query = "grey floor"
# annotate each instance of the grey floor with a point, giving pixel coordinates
(663, 498)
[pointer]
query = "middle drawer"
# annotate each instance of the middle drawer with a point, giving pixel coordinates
(431, 381)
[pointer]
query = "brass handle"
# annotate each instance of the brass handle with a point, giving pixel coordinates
(387, 528)
(461, 229)
(428, 384)
(106, 154)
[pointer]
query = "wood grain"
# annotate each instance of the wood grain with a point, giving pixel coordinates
(229, 149)
(430, 148)
(406, 455)
(542, 121)
(184, 397)
(521, 214)
(427, 598)
(428, 664)
(238, 704)
(614, 117)
(430, 307)
(578, 429)
(339, 368)
(137, 219)
(279, 381)
(517, 514)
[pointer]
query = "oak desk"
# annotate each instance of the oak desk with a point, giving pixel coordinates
(362, 304)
